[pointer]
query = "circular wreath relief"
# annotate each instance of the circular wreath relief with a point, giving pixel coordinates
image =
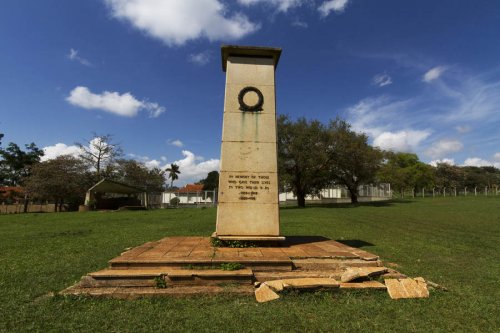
(251, 108)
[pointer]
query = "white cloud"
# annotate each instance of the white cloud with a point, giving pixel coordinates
(463, 129)
(194, 167)
(201, 58)
(337, 6)
(433, 74)
(73, 55)
(496, 157)
(449, 161)
(444, 147)
(177, 143)
(406, 140)
(125, 104)
(59, 149)
(282, 5)
(177, 21)
(300, 24)
(375, 115)
(382, 80)
(476, 161)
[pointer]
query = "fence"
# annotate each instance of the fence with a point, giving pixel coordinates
(450, 192)
(342, 194)
(192, 199)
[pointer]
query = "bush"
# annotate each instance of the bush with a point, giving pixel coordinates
(175, 201)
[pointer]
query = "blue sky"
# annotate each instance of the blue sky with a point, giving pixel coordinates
(418, 76)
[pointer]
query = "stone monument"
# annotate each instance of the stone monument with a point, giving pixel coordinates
(248, 205)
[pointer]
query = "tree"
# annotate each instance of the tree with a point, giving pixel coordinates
(211, 182)
(99, 152)
(302, 159)
(448, 176)
(352, 160)
(405, 170)
(64, 179)
(173, 172)
(15, 163)
(136, 174)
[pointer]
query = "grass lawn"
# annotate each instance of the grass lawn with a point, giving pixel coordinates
(451, 241)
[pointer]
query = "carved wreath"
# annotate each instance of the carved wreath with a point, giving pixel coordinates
(252, 108)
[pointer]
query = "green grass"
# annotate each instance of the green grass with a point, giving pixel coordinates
(451, 241)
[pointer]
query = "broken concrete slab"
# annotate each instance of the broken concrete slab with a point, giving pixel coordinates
(362, 285)
(354, 273)
(276, 285)
(265, 294)
(305, 283)
(406, 288)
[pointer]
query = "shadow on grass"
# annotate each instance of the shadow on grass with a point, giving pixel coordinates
(301, 240)
(357, 243)
(387, 203)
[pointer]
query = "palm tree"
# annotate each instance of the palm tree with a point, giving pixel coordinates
(172, 173)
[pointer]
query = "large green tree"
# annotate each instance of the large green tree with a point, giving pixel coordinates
(352, 161)
(405, 171)
(16, 163)
(136, 174)
(211, 182)
(64, 179)
(302, 157)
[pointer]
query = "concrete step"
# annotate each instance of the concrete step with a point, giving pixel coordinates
(171, 277)
(296, 274)
(136, 292)
(255, 263)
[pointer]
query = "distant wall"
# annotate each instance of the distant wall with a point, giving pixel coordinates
(32, 208)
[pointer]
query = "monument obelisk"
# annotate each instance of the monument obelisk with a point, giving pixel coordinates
(248, 205)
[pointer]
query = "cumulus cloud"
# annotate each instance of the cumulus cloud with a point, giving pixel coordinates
(177, 143)
(337, 6)
(449, 161)
(444, 147)
(433, 74)
(201, 58)
(59, 149)
(404, 141)
(195, 167)
(281, 5)
(496, 157)
(177, 21)
(125, 104)
(382, 80)
(74, 56)
(478, 162)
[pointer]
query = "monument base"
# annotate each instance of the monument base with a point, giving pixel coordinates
(249, 238)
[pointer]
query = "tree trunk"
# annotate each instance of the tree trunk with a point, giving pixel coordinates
(353, 191)
(354, 197)
(301, 199)
(26, 201)
(61, 203)
(55, 205)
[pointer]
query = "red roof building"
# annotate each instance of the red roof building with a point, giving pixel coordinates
(191, 188)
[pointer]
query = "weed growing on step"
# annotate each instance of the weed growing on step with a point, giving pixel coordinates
(216, 242)
(160, 282)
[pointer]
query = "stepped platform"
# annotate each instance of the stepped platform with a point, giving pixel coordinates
(191, 265)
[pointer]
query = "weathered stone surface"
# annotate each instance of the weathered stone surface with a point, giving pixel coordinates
(248, 186)
(406, 288)
(265, 294)
(361, 272)
(310, 283)
(362, 285)
(276, 285)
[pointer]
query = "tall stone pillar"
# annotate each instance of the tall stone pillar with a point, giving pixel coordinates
(248, 206)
